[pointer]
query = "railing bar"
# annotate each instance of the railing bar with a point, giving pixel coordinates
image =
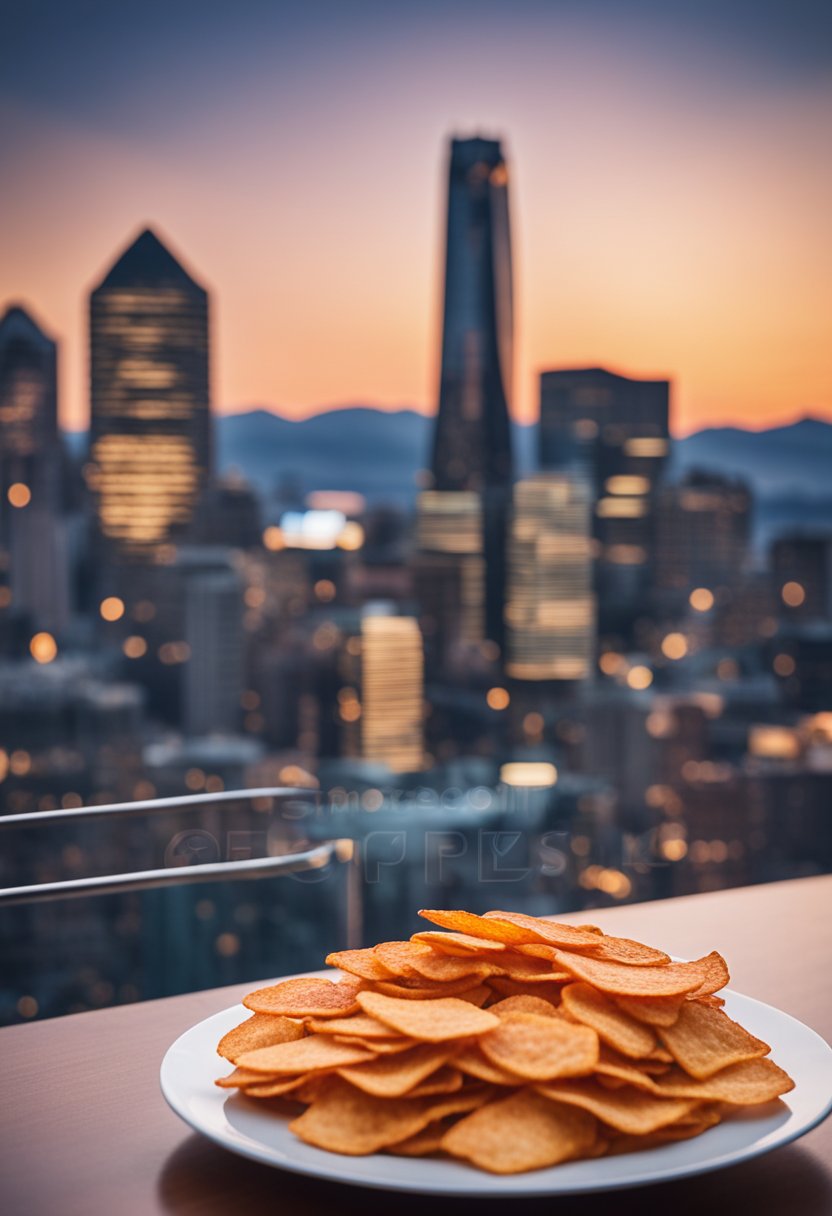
(185, 802)
(146, 880)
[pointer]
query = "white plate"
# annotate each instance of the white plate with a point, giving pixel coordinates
(245, 1126)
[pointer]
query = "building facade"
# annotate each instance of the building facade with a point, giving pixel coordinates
(150, 431)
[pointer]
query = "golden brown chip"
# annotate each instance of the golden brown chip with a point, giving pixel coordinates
(433, 1021)
(707, 998)
(520, 1132)
(655, 1011)
(573, 937)
(426, 990)
(260, 1030)
(381, 1047)
(540, 1048)
(548, 932)
(422, 1144)
(274, 1089)
(314, 1052)
(445, 1080)
(627, 1109)
(612, 1024)
(362, 963)
(415, 959)
(395, 1075)
(476, 996)
(473, 1063)
(461, 944)
(524, 969)
(358, 1024)
(744, 1084)
(523, 1004)
(715, 974)
(613, 1067)
(344, 1119)
(477, 926)
(544, 991)
(239, 1079)
(619, 979)
(705, 1040)
(304, 997)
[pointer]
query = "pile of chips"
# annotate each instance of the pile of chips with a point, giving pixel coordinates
(506, 1041)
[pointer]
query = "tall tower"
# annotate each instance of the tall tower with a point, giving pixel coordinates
(32, 532)
(615, 429)
(150, 434)
(28, 402)
(472, 441)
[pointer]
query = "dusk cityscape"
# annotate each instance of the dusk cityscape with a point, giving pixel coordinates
(541, 638)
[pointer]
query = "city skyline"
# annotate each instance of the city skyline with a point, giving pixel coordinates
(669, 201)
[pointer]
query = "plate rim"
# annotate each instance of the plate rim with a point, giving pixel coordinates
(481, 1182)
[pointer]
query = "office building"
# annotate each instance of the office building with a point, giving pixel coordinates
(550, 609)
(392, 689)
(702, 530)
(150, 431)
(472, 438)
(614, 429)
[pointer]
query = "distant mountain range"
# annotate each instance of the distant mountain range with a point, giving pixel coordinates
(380, 453)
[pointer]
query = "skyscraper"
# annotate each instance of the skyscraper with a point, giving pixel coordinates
(550, 611)
(28, 401)
(32, 530)
(392, 687)
(472, 440)
(615, 430)
(150, 434)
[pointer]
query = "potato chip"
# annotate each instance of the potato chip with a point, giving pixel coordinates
(461, 944)
(344, 1119)
(715, 975)
(627, 1110)
(744, 1084)
(395, 1075)
(612, 1024)
(304, 1055)
(619, 979)
(274, 1089)
(539, 1048)
(415, 959)
(305, 997)
(362, 963)
(477, 926)
(477, 996)
(549, 991)
(260, 1030)
(520, 1132)
(571, 937)
(422, 1144)
(446, 1080)
(427, 990)
(473, 1063)
(433, 1021)
(239, 1078)
(381, 1047)
(359, 1024)
(524, 969)
(705, 1040)
(655, 1011)
(523, 1004)
(707, 998)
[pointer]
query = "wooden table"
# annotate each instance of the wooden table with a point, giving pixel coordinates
(84, 1128)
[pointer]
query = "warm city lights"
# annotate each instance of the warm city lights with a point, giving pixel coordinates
(701, 599)
(639, 677)
(43, 648)
(134, 647)
(793, 594)
(498, 698)
(532, 774)
(112, 608)
(19, 495)
(674, 646)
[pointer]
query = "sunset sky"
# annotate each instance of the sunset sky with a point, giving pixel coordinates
(671, 187)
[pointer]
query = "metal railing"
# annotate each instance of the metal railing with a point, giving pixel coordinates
(305, 859)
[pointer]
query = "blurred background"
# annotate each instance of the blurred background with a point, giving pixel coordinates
(428, 409)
